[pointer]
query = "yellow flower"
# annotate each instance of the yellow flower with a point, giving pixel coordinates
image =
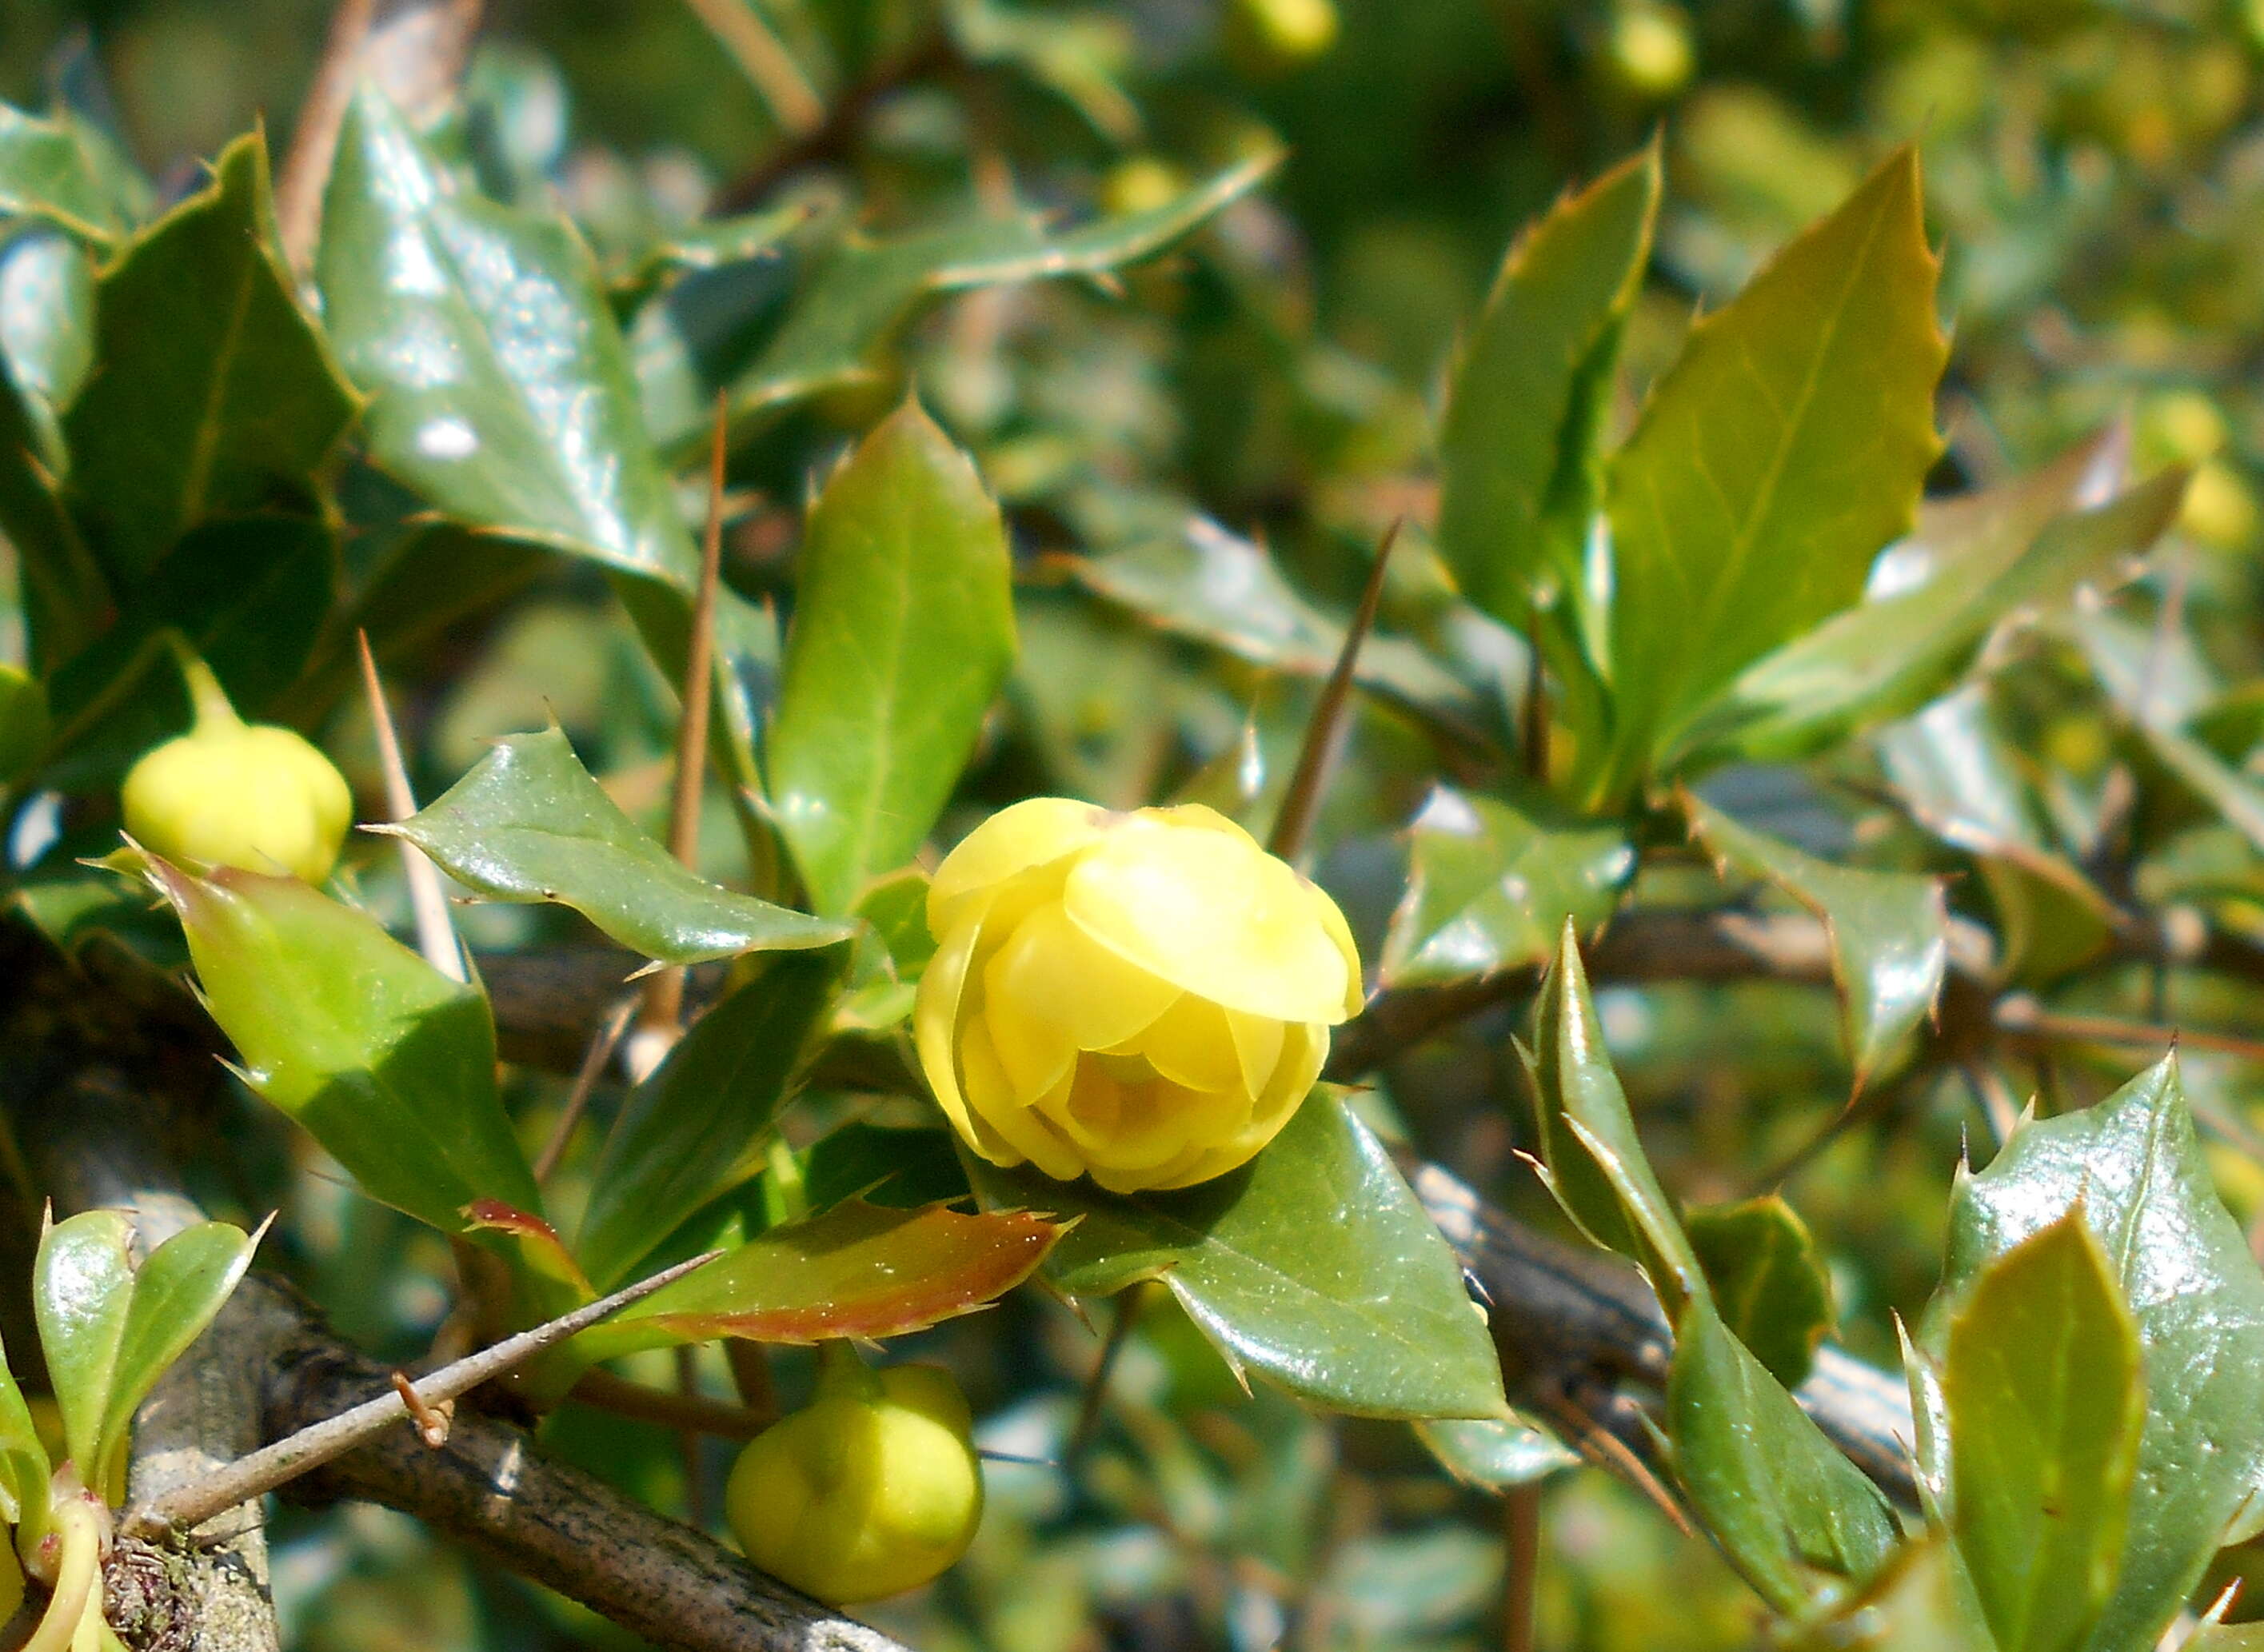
(1141, 997)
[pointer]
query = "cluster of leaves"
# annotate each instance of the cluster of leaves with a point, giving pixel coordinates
(1706, 651)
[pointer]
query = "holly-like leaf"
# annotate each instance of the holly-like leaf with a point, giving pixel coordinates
(904, 632)
(695, 1128)
(500, 385)
(1594, 1159)
(1769, 1284)
(2045, 1399)
(2133, 1168)
(530, 823)
(387, 1063)
(47, 329)
(1971, 562)
(858, 1271)
(217, 395)
(1776, 1495)
(1772, 462)
(1313, 1266)
(1889, 930)
(177, 1292)
(1518, 455)
(902, 1167)
(81, 1293)
(1490, 888)
(61, 171)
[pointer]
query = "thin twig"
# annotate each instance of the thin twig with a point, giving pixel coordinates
(663, 996)
(436, 932)
(1324, 730)
(1128, 1305)
(263, 1470)
(306, 170)
(2019, 1015)
(1520, 1532)
(585, 1080)
(432, 1420)
(601, 1390)
(768, 65)
(698, 1505)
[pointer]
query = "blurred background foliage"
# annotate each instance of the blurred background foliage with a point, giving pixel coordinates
(2096, 174)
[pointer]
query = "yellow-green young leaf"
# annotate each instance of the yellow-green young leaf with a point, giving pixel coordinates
(1889, 930)
(1778, 456)
(23, 723)
(24, 1465)
(82, 1291)
(2046, 1400)
(904, 632)
(1517, 457)
(1768, 1282)
(216, 393)
(62, 170)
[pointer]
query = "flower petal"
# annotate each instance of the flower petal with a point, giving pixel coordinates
(1190, 1044)
(1004, 1120)
(1210, 911)
(1257, 1046)
(1052, 991)
(935, 1013)
(1031, 833)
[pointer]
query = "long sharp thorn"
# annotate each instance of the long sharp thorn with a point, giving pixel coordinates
(436, 931)
(1324, 733)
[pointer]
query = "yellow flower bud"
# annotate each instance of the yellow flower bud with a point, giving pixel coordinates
(233, 794)
(1143, 998)
(871, 1489)
(1267, 37)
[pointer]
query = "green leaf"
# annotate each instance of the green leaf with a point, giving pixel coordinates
(1488, 888)
(707, 244)
(1776, 1495)
(695, 1128)
(904, 632)
(1776, 458)
(81, 1293)
(1971, 562)
(858, 1271)
(23, 724)
(1206, 584)
(176, 1293)
(500, 384)
(215, 395)
(2132, 1166)
(47, 328)
(67, 598)
(1492, 1453)
(1313, 1266)
(1594, 1158)
(387, 1063)
(861, 292)
(903, 1168)
(25, 1471)
(530, 823)
(1770, 1287)
(56, 170)
(1518, 455)
(1889, 930)
(2045, 1402)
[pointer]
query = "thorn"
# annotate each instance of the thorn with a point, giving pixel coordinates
(431, 1421)
(593, 1067)
(1096, 1386)
(1324, 733)
(436, 932)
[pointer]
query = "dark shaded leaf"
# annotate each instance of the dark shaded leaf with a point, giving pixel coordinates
(901, 1168)
(1489, 888)
(67, 598)
(1770, 1287)
(2045, 1402)
(529, 823)
(1313, 1266)
(903, 635)
(59, 170)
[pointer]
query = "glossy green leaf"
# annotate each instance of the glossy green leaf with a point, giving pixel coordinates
(47, 329)
(216, 393)
(387, 1063)
(1772, 462)
(1495, 1454)
(1776, 1494)
(67, 598)
(901, 1167)
(1313, 1266)
(2045, 1400)
(500, 384)
(54, 170)
(1972, 562)
(1889, 930)
(1595, 1160)
(177, 1290)
(530, 823)
(1206, 584)
(903, 635)
(82, 1294)
(695, 1128)
(1918, 1603)
(858, 1270)
(1770, 1285)
(706, 244)
(24, 723)
(1518, 455)
(2134, 1169)
(1489, 888)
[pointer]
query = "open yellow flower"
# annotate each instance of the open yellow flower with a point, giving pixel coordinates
(1143, 998)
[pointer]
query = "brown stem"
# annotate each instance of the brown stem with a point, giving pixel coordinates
(1521, 1532)
(1325, 729)
(601, 1390)
(306, 170)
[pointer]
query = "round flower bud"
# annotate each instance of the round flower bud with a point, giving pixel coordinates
(233, 794)
(1141, 997)
(1269, 37)
(871, 1489)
